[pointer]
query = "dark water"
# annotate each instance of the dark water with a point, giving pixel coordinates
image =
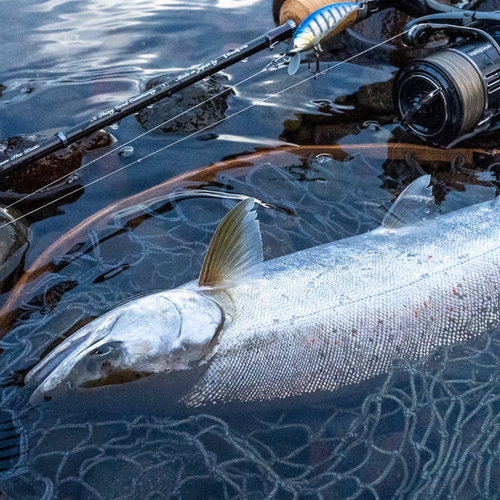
(427, 430)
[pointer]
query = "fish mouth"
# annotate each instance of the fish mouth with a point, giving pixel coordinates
(116, 377)
(57, 365)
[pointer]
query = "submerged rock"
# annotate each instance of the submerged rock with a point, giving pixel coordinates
(373, 100)
(37, 175)
(164, 114)
(14, 241)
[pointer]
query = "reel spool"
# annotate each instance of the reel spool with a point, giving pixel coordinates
(452, 94)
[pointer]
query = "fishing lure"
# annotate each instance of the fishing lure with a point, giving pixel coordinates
(317, 26)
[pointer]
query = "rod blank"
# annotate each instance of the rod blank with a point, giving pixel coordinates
(63, 139)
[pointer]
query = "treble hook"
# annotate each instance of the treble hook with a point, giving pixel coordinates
(317, 50)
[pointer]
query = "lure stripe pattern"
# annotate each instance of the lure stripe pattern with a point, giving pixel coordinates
(320, 24)
(317, 26)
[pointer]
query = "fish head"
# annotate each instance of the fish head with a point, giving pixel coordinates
(163, 332)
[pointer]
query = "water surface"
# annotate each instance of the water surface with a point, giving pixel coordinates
(411, 434)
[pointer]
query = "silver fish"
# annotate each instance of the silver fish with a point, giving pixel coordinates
(317, 26)
(293, 328)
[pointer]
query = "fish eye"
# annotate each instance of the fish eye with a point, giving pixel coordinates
(101, 351)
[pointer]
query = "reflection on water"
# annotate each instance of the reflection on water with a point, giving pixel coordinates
(427, 430)
(235, 4)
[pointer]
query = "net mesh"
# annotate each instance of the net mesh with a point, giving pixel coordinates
(427, 429)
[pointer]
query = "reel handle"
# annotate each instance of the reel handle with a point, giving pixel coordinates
(462, 23)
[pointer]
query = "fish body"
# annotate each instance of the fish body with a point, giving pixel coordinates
(318, 25)
(330, 316)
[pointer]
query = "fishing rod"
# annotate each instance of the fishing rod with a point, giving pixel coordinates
(62, 140)
(279, 62)
(268, 40)
(134, 104)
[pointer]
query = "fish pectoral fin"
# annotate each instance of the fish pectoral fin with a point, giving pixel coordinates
(235, 252)
(415, 204)
(294, 64)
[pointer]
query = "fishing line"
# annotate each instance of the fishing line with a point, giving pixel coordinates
(118, 148)
(260, 102)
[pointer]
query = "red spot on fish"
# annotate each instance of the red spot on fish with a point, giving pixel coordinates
(312, 341)
(451, 308)
(425, 304)
(335, 342)
(430, 256)
(463, 279)
(416, 314)
(454, 291)
(432, 318)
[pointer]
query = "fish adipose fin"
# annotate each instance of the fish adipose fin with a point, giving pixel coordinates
(294, 64)
(415, 204)
(235, 252)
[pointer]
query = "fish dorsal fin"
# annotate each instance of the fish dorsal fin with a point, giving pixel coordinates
(235, 252)
(414, 204)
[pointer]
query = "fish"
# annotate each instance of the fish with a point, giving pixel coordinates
(320, 24)
(294, 329)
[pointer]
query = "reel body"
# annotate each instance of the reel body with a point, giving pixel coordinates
(454, 93)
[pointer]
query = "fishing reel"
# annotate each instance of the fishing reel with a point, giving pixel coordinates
(454, 93)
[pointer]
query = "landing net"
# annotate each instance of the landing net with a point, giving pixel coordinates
(428, 429)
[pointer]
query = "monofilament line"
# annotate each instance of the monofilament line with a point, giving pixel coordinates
(269, 97)
(118, 148)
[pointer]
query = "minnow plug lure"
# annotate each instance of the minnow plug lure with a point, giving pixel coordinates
(317, 26)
